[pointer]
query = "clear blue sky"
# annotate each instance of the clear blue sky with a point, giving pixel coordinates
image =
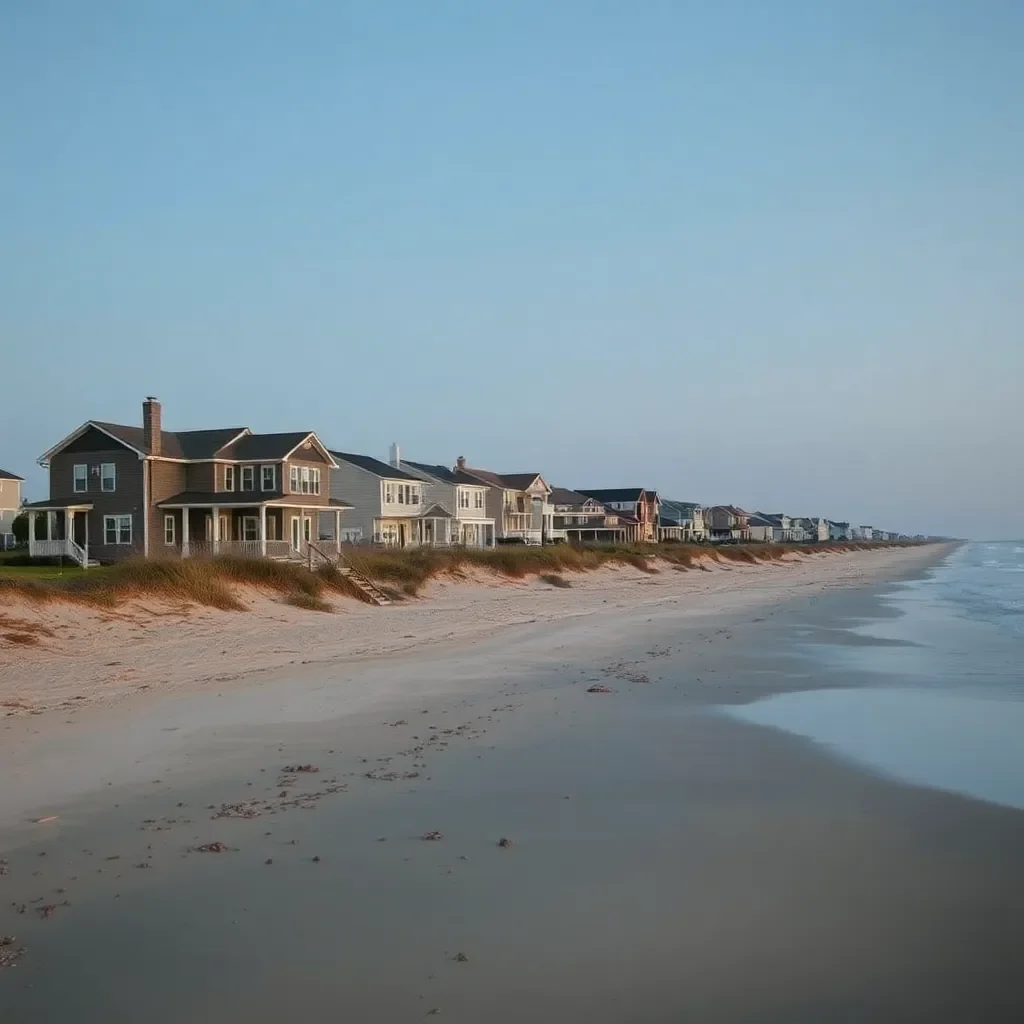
(766, 253)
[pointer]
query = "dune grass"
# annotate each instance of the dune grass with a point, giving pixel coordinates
(216, 582)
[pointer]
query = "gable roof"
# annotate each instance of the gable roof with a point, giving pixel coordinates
(520, 481)
(563, 496)
(4, 475)
(374, 466)
(270, 446)
(438, 472)
(614, 493)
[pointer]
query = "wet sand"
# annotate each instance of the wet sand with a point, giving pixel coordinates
(666, 863)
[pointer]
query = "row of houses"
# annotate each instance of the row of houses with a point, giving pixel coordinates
(118, 489)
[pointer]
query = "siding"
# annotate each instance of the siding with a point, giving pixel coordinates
(126, 499)
(326, 474)
(165, 480)
(201, 476)
(361, 489)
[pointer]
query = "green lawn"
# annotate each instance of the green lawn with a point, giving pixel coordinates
(44, 572)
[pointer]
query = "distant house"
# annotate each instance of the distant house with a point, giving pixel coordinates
(517, 502)
(639, 502)
(865, 533)
(700, 531)
(583, 519)
(814, 529)
(839, 531)
(118, 490)
(389, 504)
(10, 505)
(470, 526)
(765, 529)
(728, 523)
(675, 521)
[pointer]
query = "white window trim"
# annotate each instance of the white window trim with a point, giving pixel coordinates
(169, 520)
(117, 520)
(85, 478)
(273, 478)
(104, 466)
(251, 472)
(255, 521)
(293, 479)
(314, 481)
(229, 478)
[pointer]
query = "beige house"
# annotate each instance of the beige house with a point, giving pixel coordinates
(517, 502)
(10, 505)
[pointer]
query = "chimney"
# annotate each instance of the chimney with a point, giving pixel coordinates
(151, 425)
(396, 456)
(460, 462)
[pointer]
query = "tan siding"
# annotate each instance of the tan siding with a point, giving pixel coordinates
(165, 480)
(325, 481)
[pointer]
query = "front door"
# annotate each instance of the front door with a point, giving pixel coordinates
(296, 533)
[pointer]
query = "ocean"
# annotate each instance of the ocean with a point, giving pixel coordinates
(944, 664)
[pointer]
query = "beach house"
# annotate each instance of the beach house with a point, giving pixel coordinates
(517, 502)
(118, 490)
(469, 526)
(10, 505)
(727, 523)
(675, 519)
(584, 520)
(389, 504)
(642, 504)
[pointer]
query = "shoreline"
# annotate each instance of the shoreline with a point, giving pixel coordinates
(87, 656)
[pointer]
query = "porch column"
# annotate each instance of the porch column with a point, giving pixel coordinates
(32, 533)
(49, 525)
(184, 533)
(216, 528)
(337, 530)
(263, 530)
(86, 566)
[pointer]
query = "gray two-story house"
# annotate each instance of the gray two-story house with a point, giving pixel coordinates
(118, 490)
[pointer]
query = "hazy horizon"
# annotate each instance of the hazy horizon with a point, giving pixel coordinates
(764, 254)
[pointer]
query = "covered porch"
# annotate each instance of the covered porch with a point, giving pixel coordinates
(196, 525)
(60, 529)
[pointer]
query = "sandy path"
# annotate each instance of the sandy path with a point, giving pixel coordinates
(86, 656)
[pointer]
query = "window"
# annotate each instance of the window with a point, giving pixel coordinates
(314, 481)
(117, 530)
(389, 493)
(414, 495)
(248, 478)
(304, 479)
(81, 479)
(108, 477)
(268, 476)
(463, 498)
(229, 478)
(250, 528)
(293, 478)
(401, 493)
(169, 529)
(478, 499)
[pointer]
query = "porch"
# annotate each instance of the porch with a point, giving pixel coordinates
(65, 529)
(194, 525)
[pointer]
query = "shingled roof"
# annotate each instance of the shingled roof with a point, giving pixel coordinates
(4, 475)
(375, 466)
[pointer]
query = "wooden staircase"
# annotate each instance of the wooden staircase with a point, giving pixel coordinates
(364, 584)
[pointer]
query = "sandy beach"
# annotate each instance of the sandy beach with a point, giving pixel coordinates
(321, 840)
(83, 655)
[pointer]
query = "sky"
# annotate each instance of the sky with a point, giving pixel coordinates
(769, 254)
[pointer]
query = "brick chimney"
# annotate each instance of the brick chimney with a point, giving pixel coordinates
(152, 425)
(460, 462)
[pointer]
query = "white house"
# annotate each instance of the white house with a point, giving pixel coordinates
(517, 502)
(470, 525)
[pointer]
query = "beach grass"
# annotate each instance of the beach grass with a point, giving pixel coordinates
(218, 582)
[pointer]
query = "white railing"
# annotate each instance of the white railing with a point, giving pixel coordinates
(65, 548)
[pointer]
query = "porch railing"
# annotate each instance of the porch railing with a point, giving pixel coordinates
(62, 548)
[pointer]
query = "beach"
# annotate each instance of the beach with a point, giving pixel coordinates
(321, 838)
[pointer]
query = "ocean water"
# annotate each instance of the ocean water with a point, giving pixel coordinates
(944, 704)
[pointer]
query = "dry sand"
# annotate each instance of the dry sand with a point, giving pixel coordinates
(85, 656)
